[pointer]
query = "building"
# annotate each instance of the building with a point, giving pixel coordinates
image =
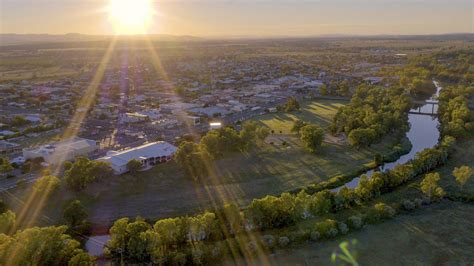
(133, 118)
(65, 150)
(149, 154)
(8, 147)
(215, 125)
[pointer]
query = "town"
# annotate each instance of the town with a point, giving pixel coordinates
(248, 146)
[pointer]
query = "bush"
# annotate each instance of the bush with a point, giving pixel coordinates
(327, 228)
(315, 236)
(283, 241)
(408, 205)
(418, 202)
(379, 212)
(268, 240)
(342, 227)
(355, 222)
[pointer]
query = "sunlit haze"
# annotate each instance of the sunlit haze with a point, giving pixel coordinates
(238, 17)
(130, 17)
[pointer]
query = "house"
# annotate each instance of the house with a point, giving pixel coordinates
(193, 120)
(132, 118)
(65, 150)
(8, 147)
(149, 154)
(7, 133)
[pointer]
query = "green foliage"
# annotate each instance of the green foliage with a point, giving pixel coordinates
(165, 242)
(372, 113)
(7, 221)
(133, 166)
(84, 171)
(323, 90)
(312, 136)
(74, 213)
(454, 114)
(291, 105)
(46, 185)
(194, 159)
(3, 206)
(429, 186)
(41, 246)
(380, 211)
(262, 133)
(297, 125)
(19, 121)
(463, 174)
(5, 165)
(327, 228)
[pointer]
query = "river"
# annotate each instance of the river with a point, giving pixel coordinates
(423, 133)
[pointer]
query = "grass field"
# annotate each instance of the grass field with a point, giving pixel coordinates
(440, 234)
(164, 191)
(319, 112)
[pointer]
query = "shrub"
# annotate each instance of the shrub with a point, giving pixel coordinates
(283, 241)
(327, 228)
(268, 240)
(418, 202)
(408, 205)
(355, 222)
(342, 227)
(252, 247)
(379, 212)
(315, 236)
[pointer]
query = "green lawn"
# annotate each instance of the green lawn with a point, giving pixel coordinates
(440, 234)
(319, 112)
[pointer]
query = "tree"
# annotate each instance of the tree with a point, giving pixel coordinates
(297, 125)
(5, 166)
(323, 90)
(312, 137)
(40, 246)
(193, 159)
(462, 174)
(3, 206)
(74, 213)
(7, 221)
(262, 133)
(134, 165)
(46, 185)
(429, 186)
(19, 120)
(84, 171)
(248, 134)
(291, 105)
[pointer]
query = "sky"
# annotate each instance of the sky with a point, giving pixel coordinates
(245, 17)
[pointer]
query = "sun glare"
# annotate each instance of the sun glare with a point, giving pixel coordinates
(130, 16)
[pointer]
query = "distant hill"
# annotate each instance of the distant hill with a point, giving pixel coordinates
(22, 39)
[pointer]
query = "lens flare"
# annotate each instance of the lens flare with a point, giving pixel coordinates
(130, 16)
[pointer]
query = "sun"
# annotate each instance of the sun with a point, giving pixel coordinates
(130, 16)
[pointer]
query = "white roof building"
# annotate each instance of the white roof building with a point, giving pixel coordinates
(65, 150)
(149, 154)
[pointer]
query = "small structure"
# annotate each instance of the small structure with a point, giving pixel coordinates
(149, 154)
(65, 150)
(8, 147)
(215, 125)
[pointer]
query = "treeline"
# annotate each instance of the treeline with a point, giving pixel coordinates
(199, 239)
(196, 158)
(372, 113)
(454, 114)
